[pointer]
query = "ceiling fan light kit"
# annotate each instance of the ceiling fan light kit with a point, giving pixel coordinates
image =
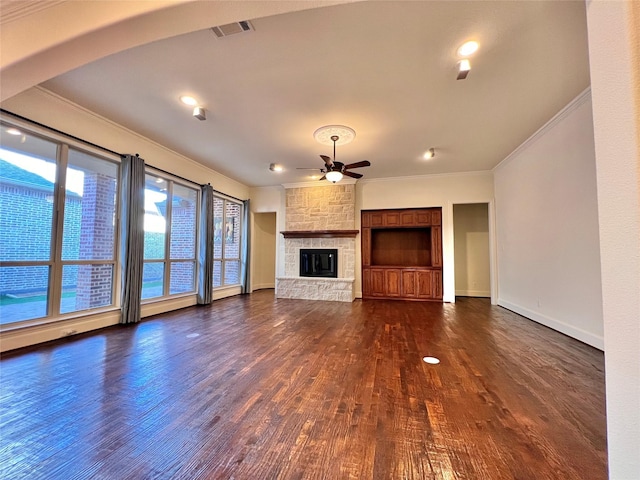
(333, 176)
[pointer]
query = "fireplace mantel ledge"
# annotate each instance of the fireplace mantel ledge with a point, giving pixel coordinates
(320, 233)
(316, 279)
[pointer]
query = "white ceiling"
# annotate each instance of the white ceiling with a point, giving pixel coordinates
(386, 69)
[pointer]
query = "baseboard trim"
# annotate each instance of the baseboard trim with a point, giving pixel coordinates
(555, 324)
(28, 336)
(473, 293)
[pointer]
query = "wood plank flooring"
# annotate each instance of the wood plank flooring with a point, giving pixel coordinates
(258, 388)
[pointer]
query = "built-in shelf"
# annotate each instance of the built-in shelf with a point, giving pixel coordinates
(402, 254)
(320, 233)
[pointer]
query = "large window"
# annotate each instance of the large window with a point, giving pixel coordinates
(226, 242)
(170, 237)
(58, 210)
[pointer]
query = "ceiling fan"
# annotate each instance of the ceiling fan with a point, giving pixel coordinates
(334, 170)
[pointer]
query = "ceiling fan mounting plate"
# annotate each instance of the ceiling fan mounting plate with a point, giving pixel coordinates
(324, 135)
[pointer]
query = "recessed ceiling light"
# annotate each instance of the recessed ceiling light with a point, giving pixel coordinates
(431, 360)
(274, 167)
(13, 131)
(187, 100)
(429, 154)
(468, 48)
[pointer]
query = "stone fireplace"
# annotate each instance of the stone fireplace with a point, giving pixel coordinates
(321, 217)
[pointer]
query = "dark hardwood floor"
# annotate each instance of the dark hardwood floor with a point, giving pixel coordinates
(257, 388)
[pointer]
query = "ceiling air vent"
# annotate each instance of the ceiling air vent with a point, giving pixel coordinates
(232, 28)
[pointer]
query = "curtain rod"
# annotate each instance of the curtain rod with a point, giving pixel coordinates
(191, 181)
(99, 147)
(59, 132)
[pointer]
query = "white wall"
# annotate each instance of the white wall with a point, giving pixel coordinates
(266, 199)
(272, 199)
(44, 107)
(471, 249)
(547, 227)
(426, 191)
(263, 251)
(614, 56)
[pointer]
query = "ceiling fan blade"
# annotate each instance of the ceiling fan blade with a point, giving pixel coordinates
(327, 160)
(307, 168)
(324, 177)
(363, 163)
(351, 174)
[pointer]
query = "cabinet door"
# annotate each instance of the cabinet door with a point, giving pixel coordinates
(392, 282)
(366, 247)
(436, 246)
(377, 282)
(424, 283)
(409, 287)
(436, 285)
(366, 282)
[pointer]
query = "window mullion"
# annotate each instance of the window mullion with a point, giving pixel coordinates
(167, 240)
(224, 241)
(197, 241)
(55, 278)
(116, 285)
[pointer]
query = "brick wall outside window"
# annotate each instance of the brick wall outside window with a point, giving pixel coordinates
(25, 234)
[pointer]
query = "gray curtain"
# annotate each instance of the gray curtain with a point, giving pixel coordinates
(132, 234)
(205, 255)
(246, 249)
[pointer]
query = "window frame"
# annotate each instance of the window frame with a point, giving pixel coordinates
(222, 259)
(55, 262)
(167, 261)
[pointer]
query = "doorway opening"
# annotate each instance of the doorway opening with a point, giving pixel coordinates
(472, 250)
(263, 251)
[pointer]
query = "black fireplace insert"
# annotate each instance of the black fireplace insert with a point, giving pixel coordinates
(319, 262)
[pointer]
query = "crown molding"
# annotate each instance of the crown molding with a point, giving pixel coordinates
(11, 11)
(85, 111)
(427, 176)
(584, 96)
(344, 181)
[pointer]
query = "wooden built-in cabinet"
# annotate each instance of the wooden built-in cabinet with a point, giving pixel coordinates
(402, 254)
